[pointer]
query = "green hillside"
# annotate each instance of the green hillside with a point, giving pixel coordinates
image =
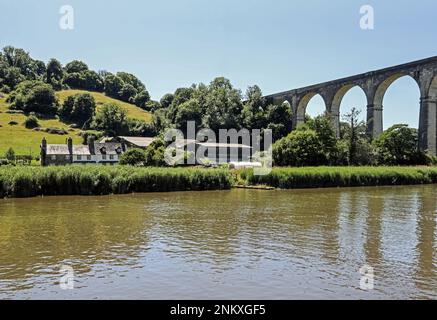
(133, 111)
(27, 141)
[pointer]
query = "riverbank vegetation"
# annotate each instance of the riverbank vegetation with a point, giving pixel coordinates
(94, 180)
(324, 177)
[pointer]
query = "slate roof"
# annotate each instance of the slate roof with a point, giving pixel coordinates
(142, 142)
(84, 150)
(108, 148)
(57, 149)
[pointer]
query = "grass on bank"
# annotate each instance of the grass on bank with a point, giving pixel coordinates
(324, 177)
(101, 180)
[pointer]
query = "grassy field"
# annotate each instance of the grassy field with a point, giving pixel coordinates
(322, 177)
(26, 141)
(100, 180)
(133, 111)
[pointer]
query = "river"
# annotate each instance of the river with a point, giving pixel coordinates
(237, 244)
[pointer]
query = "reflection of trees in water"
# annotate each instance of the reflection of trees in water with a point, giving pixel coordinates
(42, 233)
(426, 230)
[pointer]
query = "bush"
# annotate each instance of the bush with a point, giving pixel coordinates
(78, 108)
(299, 148)
(398, 145)
(133, 157)
(95, 180)
(321, 177)
(34, 96)
(31, 122)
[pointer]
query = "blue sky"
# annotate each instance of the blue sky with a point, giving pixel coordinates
(277, 44)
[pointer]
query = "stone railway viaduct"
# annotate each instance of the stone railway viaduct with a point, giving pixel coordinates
(374, 84)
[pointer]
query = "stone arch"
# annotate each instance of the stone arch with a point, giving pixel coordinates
(383, 86)
(303, 103)
(336, 103)
(375, 107)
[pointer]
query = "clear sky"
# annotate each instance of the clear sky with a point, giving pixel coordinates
(277, 44)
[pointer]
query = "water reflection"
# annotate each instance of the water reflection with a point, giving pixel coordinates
(224, 244)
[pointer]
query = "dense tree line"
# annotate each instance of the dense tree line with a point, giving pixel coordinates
(315, 143)
(17, 66)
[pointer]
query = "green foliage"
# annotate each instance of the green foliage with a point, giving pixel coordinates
(133, 157)
(141, 98)
(113, 85)
(99, 180)
(166, 100)
(299, 148)
(111, 119)
(398, 145)
(10, 154)
(31, 122)
(75, 66)
(54, 74)
(16, 66)
(155, 154)
(34, 96)
(328, 177)
(79, 108)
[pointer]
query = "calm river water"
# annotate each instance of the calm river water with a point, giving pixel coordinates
(238, 244)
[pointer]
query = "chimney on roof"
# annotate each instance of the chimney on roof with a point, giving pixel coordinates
(70, 145)
(43, 151)
(90, 141)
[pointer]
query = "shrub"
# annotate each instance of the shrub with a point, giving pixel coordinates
(34, 96)
(31, 122)
(133, 157)
(94, 180)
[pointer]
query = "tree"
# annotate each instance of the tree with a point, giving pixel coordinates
(129, 78)
(167, 100)
(279, 120)
(31, 122)
(141, 99)
(34, 96)
(76, 66)
(222, 106)
(133, 157)
(111, 119)
(54, 73)
(188, 111)
(155, 154)
(10, 154)
(127, 92)
(353, 134)
(325, 132)
(398, 145)
(253, 111)
(112, 85)
(299, 148)
(83, 109)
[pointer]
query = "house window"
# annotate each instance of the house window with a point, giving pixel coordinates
(111, 157)
(88, 158)
(67, 157)
(53, 157)
(79, 157)
(104, 156)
